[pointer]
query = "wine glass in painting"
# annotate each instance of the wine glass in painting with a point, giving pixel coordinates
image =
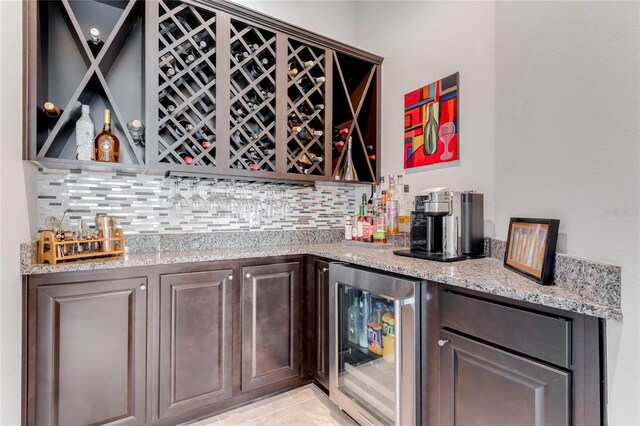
(446, 133)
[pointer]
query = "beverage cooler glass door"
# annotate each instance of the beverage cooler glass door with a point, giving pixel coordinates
(374, 324)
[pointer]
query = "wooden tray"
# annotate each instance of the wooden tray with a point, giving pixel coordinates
(48, 248)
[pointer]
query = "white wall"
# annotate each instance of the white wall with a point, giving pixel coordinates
(17, 209)
(567, 120)
(422, 42)
(549, 126)
(332, 18)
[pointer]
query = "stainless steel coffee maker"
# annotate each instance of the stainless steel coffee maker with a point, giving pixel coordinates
(447, 225)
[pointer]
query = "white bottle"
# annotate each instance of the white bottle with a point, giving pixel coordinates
(85, 132)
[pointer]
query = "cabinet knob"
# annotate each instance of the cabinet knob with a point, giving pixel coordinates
(230, 277)
(143, 287)
(443, 342)
(325, 269)
(248, 275)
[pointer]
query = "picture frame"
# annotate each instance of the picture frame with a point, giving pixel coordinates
(531, 248)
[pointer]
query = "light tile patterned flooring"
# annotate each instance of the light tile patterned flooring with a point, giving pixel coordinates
(304, 406)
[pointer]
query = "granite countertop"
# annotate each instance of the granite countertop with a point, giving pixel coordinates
(485, 275)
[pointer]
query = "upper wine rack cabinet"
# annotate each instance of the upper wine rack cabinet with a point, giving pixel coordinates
(70, 64)
(220, 89)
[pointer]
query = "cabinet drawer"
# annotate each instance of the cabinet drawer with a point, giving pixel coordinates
(539, 335)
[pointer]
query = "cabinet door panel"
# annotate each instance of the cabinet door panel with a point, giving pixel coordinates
(91, 352)
(195, 340)
(270, 323)
(482, 385)
(319, 321)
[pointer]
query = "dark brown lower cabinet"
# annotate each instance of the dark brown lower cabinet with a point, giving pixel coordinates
(483, 385)
(195, 340)
(90, 352)
(317, 330)
(271, 324)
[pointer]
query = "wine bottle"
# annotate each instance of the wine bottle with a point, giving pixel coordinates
(95, 43)
(106, 144)
(307, 82)
(307, 64)
(185, 156)
(136, 129)
(168, 105)
(371, 157)
(255, 71)
(188, 57)
(85, 132)
(254, 46)
(168, 70)
(239, 55)
(203, 46)
(52, 114)
(185, 124)
(306, 109)
(294, 68)
(309, 134)
(370, 147)
(294, 122)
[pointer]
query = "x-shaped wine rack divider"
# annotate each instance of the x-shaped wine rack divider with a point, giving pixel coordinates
(172, 50)
(94, 70)
(238, 95)
(355, 113)
(305, 98)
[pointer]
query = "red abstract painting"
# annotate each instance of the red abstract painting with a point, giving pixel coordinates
(431, 124)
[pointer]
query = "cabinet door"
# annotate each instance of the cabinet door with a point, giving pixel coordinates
(91, 352)
(195, 340)
(270, 324)
(318, 326)
(482, 385)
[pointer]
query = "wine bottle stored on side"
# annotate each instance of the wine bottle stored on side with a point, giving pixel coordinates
(106, 144)
(51, 114)
(185, 156)
(308, 83)
(136, 129)
(168, 70)
(95, 43)
(168, 105)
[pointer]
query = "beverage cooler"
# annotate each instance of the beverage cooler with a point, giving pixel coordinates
(374, 357)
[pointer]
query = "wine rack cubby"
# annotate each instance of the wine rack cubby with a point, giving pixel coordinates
(306, 105)
(252, 60)
(64, 70)
(186, 85)
(222, 90)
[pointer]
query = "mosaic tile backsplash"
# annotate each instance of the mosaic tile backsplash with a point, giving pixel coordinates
(139, 202)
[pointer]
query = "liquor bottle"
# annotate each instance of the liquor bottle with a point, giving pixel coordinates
(361, 221)
(404, 210)
(380, 232)
(368, 228)
(352, 321)
(106, 144)
(348, 172)
(95, 43)
(136, 130)
(392, 207)
(347, 228)
(186, 157)
(85, 132)
(52, 114)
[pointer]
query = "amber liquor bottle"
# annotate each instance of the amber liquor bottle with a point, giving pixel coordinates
(107, 145)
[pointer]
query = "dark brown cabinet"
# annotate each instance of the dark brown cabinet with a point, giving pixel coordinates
(195, 340)
(483, 385)
(270, 323)
(490, 360)
(91, 349)
(317, 330)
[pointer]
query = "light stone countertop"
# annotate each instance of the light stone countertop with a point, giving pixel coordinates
(485, 275)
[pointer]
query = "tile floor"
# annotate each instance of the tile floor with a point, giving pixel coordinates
(304, 406)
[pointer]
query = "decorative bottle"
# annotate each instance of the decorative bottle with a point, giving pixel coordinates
(349, 170)
(107, 145)
(85, 131)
